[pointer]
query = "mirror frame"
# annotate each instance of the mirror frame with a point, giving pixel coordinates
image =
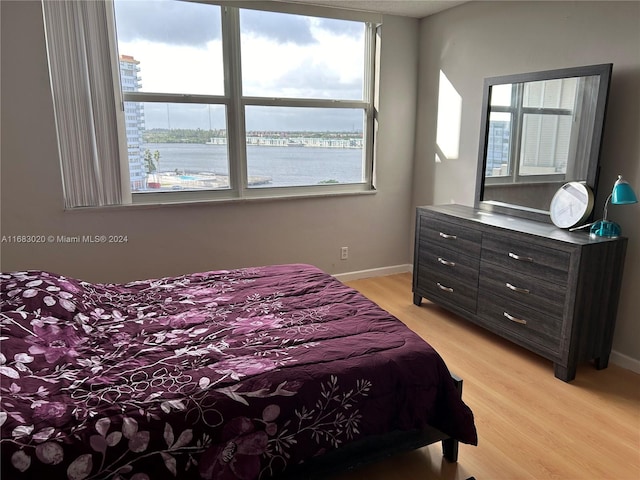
(593, 169)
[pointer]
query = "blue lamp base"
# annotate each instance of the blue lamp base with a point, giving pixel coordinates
(604, 228)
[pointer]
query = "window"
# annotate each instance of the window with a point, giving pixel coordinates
(224, 102)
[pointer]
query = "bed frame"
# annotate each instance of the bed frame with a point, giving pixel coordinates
(373, 449)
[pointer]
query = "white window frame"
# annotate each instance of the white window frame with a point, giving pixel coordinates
(235, 104)
(517, 110)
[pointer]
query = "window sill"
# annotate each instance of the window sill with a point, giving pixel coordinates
(165, 200)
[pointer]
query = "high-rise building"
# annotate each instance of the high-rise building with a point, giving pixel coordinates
(134, 122)
(498, 147)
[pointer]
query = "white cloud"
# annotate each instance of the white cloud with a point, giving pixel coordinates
(319, 70)
(178, 68)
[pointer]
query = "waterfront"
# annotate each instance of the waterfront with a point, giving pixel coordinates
(283, 165)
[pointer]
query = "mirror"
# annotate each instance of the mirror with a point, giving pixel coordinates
(539, 131)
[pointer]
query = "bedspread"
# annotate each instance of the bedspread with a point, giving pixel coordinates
(222, 374)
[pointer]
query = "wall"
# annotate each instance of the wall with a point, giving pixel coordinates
(172, 240)
(484, 39)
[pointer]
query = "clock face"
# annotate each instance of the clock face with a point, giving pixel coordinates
(571, 205)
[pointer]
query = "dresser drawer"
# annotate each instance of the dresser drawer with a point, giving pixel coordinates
(526, 258)
(450, 235)
(515, 319)
(449, 263)
(448, 290)
(531, 291)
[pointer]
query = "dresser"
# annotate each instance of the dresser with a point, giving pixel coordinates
(546, 289)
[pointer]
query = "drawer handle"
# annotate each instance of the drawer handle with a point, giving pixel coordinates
(446, 262)
(514, 319)
(520, 257)
(448, 236)
(445, 288)
(516, 289)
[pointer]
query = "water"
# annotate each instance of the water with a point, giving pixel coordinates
(287, 166)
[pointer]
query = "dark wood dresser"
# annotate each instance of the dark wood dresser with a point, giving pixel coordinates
(546, 289)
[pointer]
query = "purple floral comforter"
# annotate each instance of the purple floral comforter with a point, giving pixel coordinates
(224, 374)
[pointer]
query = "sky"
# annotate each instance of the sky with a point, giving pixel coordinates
(178, 45)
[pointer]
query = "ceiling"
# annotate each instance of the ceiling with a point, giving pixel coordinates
(405, 8)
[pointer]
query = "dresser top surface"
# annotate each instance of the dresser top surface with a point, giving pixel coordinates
(507, 222)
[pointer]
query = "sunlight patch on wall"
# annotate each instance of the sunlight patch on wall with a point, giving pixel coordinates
(449, 119)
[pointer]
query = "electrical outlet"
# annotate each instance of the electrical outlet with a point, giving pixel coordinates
(344, 253)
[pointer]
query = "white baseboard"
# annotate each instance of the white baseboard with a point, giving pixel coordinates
(625, 361)
(373, 272)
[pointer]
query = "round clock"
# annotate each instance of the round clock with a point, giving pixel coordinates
(571, 205)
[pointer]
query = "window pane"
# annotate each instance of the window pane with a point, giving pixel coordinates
(304, 146)
(498, 145)
(558, 93)
(294, 56)
(501, 95)
(545, 144)
(177, 45)
(177, 147)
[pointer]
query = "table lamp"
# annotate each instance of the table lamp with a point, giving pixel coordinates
(622, 194)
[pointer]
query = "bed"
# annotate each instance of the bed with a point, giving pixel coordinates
(267, 372)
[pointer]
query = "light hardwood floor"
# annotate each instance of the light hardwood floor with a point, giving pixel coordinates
(530, 424)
